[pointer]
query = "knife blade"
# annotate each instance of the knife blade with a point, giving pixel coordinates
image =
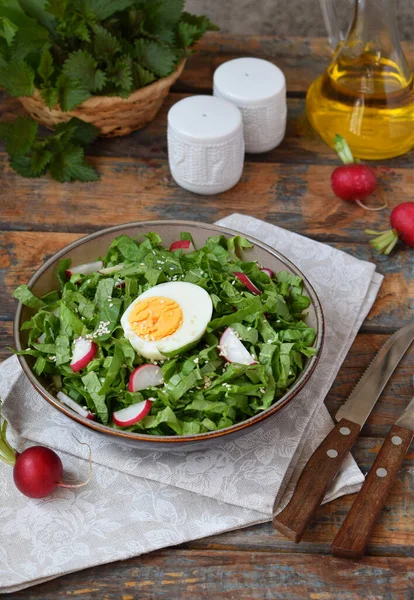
(356, 530)
(323, 466)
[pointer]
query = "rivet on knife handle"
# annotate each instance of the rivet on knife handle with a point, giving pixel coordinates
(352, 538)
(317, 476)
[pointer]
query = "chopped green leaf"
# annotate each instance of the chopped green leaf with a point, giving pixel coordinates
(26, 297)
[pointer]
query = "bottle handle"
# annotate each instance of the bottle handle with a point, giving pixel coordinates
(330, 17)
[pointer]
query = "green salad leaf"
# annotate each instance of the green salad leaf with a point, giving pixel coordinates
(200, 391)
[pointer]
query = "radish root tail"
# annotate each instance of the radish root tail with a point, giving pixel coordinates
(382, 207)
(83, 483)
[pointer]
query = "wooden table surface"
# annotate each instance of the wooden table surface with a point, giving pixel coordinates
(288, 187)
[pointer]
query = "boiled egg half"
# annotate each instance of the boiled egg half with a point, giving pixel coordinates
(167, 317)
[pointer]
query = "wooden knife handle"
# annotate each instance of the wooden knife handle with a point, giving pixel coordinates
(352, 538)
(317, 476)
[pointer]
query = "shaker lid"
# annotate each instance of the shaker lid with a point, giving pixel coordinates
(249, 81)
(204, 119)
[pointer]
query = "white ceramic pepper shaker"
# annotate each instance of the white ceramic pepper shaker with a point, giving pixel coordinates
(205, 144)
(258, 88)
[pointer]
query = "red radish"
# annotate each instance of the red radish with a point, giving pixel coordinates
(120, 283)
(184, 245)
(111, 270)
(85, 269)
(83, 412)
(38, 470)
(352, 181)
(402, 223)
(83, 352)
(131, 414)
(144, 377)
(248, 283)
(267, 271)
(232, 349)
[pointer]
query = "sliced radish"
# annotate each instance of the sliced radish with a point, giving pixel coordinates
(120, 283)
(267, 271)
(85, 269)
(83, 412)
(184, 245)
(131, 414)
(145, 376)
(41, 339)
(83, 352)
(232, 349)
(247, 282)
(110, 270)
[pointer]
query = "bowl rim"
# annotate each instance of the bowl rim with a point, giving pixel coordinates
(175, 439)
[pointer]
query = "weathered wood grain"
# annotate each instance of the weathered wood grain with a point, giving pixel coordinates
(22, 252)
(301, 59)
(226, 575)
(295, 196)
(301, 143)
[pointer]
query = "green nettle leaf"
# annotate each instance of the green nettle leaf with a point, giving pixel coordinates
(187, 34)
(82, 32)
(40, 159)
(155, 57)
(18, 79)
(203, 23)
(50, 96)
(81, 133)
(169, 11)
(57, 8)
(37, 10)
(69, 164)
(22, 165)
(46, 68)
(121, 73)
(71, 93)
(31, 38)
(141, 76)
(105, 45)
(7, 29)
(19, 135)
(82, 67)
(102, 9)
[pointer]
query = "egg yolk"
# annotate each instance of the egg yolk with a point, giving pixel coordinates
(155, 318)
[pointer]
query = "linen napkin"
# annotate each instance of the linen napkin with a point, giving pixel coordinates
(138, 501)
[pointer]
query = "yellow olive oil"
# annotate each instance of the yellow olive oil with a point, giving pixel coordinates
(366, 99)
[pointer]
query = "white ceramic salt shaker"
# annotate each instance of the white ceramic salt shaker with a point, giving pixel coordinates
(258, 88)
(205, 144)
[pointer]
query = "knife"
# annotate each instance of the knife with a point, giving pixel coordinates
(352, 538)
(324, 464)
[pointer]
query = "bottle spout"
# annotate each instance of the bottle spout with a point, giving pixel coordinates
(330, 17)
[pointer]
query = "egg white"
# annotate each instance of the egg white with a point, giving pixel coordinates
(196, 307)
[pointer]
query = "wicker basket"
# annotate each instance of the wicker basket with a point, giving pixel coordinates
(111, 114)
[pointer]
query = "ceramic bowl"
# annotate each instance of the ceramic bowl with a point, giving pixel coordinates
(91, 247)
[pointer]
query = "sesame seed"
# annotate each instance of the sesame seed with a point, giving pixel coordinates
(196, 360)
